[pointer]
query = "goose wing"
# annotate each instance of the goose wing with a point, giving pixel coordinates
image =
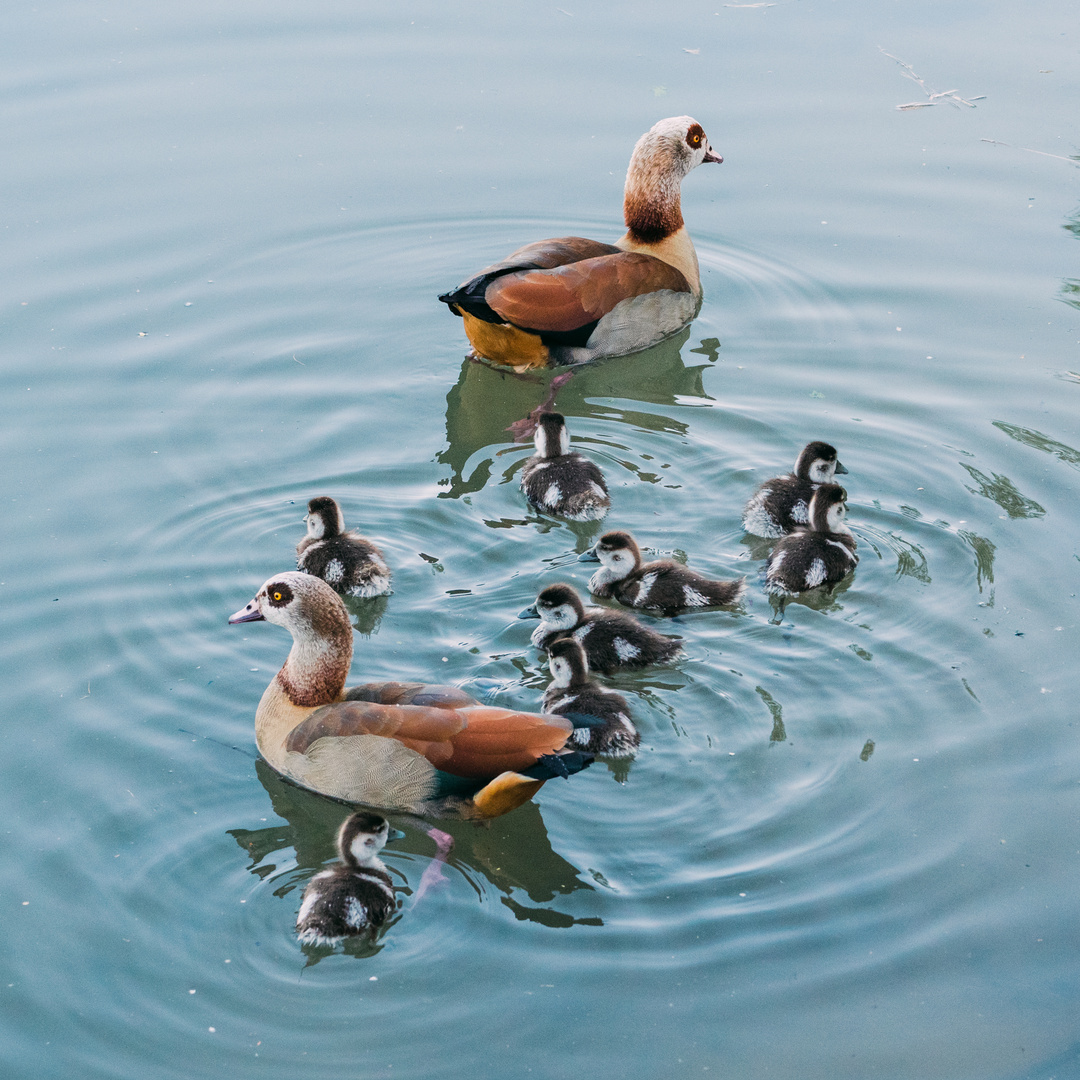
(476, 741)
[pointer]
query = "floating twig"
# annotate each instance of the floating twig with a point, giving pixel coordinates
(934, 97)
(1028, 150)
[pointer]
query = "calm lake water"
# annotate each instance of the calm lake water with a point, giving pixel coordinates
(850, 844)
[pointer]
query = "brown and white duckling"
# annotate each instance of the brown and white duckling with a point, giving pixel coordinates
(612, 639)
(601, 717)
(663, 587)
(355, 896)
(348, 562)
(409, 746)
(570, 300)
(783, 503)
(822, 553)
(560, 482)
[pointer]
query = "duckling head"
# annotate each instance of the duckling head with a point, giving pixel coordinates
(324, 518)
(557, 607)
(828, 508)
(617, 552)
(361, 837)
(551, 437)
(818, 463)
(567, 662)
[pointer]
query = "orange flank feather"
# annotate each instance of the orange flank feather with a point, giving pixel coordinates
(504, 343)
(476, 741)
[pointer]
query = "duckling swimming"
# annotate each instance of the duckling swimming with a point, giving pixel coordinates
(822, 553)
(782, 504)
(354, 897)
(409, 746)
(348, 562)
(611, 639)
(601, 716)
(556, 481)
(664, 586)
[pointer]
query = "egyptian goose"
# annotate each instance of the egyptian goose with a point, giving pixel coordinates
(408, 746)
(570, 300)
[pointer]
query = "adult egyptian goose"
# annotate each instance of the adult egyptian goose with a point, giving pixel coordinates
(663, 586)
(570, 300)
(408, 746)
(821, 553)
(783, 503)
(355, 896)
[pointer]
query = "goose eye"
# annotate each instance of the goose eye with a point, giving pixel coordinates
(280, 595)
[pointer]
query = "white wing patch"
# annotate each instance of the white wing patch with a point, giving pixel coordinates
(646, 583)
(552, 496)
(800, 512)
(693, 598)
(356, 914)
(581, 631)
(816, 574)
(334, 572)
(625, 650)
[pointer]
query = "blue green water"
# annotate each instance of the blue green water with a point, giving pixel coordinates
(850, 844)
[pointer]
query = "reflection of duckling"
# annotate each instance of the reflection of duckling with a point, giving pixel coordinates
(559, 482)
(570, 300)
(346, 561)
(601, 717)
(612, 639)
(664, 586)
(782, 504)
(355, 896)
(821, 554)
(429, 749)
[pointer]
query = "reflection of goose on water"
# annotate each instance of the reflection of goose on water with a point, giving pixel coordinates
(428, 749)
(511, 855)
(570, 300)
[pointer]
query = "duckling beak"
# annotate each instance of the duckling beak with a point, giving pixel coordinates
(529, 613)
(711, 156)
(840, 467)
(394, 834)
(589, 556)
(249, 613)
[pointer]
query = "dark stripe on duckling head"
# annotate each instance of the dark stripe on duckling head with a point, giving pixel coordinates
(556, 595)
(826, 497)
(812, 452)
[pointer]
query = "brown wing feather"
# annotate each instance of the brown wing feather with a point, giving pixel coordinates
(545, 254)
(566, 297)
(476, 741)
